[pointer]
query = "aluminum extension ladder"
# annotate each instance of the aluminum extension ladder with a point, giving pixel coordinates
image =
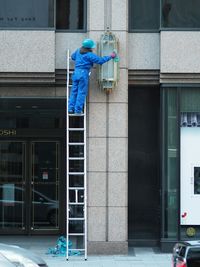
(76, 179)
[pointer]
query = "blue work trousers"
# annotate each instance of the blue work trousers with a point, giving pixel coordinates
(79, 90)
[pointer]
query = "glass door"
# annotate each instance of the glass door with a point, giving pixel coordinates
(45, 172)
(12, 186)
(29, 186)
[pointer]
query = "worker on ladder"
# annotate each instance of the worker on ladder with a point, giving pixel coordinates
(84, 59)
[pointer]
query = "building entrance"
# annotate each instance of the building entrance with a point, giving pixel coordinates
(29, 187)
(144, 182)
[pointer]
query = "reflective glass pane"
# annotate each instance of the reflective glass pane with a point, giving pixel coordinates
(144, 14)
(76, 196)
(76, 180)
(70, 14)
(180, 13)
(20, 114)
(171, 178)
(76, 136)
(12, 206)
(76, 165)
(76, 211)
(76, 151)
(76, 122)
(12, 193)
(11, 162)
(45, 185)
(26, 14)
(76, 226)
(196, 180)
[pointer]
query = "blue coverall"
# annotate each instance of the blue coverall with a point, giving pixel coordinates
(80, 78)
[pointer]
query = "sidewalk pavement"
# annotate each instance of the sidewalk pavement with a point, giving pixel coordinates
(137, 257)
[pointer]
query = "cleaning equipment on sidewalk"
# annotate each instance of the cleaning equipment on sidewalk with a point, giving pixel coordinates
(60, 248)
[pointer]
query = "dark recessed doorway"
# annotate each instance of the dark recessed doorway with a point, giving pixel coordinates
(144, 180)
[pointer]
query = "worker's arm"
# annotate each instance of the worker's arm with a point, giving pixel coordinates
(98, 60)
(73, 55)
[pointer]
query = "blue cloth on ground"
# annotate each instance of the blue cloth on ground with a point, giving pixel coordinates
(60, 248)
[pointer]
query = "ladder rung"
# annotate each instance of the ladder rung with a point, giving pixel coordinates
(71, 158)
(76, 115)
(76, 129)
(75, 249)
(76, 219)
(76, 188)
(76, 203)
(76, 173)
(76, 144)
(76, 234)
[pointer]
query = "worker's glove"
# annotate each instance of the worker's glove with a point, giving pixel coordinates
(113, 55)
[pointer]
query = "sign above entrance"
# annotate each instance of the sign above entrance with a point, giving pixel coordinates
(8, 132)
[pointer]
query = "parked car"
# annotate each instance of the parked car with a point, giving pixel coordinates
(20, 257)
(12, 207)
(4, 262)
(186, 254)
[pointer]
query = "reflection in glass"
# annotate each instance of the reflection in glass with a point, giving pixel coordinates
(76, 165)
(45, 185)
(11, 161)
(76, 196)
(76, 211)
(76, 151)
(196, 180)
(76, 136)
(76, 180)
(26, 14)
(144, 14)
(76, 226)
(181, 13)
(11, 185)
(70, 14)
(11, 206)
(170, 160)
(76, 122)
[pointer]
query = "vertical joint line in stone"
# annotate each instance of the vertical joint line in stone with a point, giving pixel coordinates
(107, 166)
(108, 14)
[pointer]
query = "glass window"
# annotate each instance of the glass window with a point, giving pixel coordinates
(31, 114)
(170, 157)
(144, 14)
(194, 253)
(196, 180)
(70, 15)
(26, 13)
(181, 13)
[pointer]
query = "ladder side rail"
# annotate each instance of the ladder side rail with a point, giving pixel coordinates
(67, 162)
(85, 180)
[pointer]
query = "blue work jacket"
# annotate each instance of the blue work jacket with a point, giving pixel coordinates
(86, 60)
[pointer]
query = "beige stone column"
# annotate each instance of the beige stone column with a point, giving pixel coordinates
(108, 139)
